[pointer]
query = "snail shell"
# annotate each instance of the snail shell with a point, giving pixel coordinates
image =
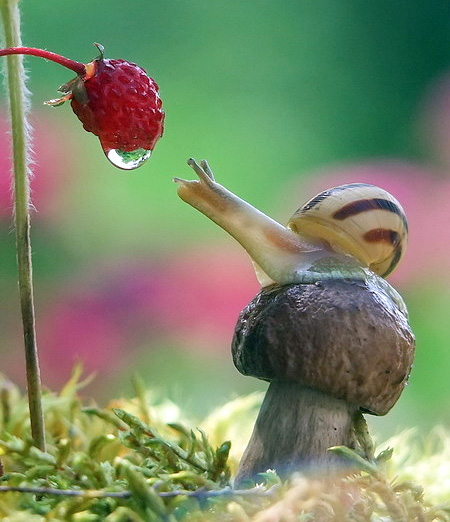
(358, 219)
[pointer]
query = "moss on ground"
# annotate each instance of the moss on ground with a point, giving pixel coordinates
(139, 460)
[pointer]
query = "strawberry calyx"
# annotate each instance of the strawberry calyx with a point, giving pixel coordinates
(75, 88)
(56, 102)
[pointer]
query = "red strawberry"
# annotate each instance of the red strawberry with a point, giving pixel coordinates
(123, 107)
(115, 100)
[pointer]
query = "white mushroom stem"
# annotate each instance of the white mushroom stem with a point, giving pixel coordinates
(279, 251)
(295, 427)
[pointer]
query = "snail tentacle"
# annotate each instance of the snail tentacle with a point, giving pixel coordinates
(207, 169)
(202, 173)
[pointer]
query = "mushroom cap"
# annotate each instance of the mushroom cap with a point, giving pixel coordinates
(346, 338)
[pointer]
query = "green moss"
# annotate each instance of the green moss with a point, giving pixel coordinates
(137, 460)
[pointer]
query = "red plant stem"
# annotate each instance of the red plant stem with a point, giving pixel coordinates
(78, 67)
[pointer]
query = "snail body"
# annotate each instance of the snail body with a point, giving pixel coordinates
(353, 231)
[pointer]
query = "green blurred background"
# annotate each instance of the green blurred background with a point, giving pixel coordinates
(284, 99)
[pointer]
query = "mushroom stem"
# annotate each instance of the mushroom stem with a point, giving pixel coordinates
(294, 429)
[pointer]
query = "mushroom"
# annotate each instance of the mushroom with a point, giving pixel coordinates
(328, 349)
(329, 333)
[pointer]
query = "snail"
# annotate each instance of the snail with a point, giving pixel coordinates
(356, 227)
(327, 330)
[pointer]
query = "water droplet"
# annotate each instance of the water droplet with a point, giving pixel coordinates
(127, 160)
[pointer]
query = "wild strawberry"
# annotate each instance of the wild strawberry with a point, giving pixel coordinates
(123, 107)
(115, 100)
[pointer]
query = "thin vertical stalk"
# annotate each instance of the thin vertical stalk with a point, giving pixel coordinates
(18, 106)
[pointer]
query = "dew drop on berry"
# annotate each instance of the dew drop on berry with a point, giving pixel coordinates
(127, 160)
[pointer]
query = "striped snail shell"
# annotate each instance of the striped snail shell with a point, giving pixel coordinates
(358, 219)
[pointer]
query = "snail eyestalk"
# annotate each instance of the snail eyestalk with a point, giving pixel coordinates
(17, 92)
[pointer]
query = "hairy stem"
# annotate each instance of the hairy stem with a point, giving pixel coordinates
(17, 100)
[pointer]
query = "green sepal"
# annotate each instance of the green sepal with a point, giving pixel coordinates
(101, 51)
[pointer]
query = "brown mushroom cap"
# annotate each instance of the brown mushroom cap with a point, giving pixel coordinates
(345, 338)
